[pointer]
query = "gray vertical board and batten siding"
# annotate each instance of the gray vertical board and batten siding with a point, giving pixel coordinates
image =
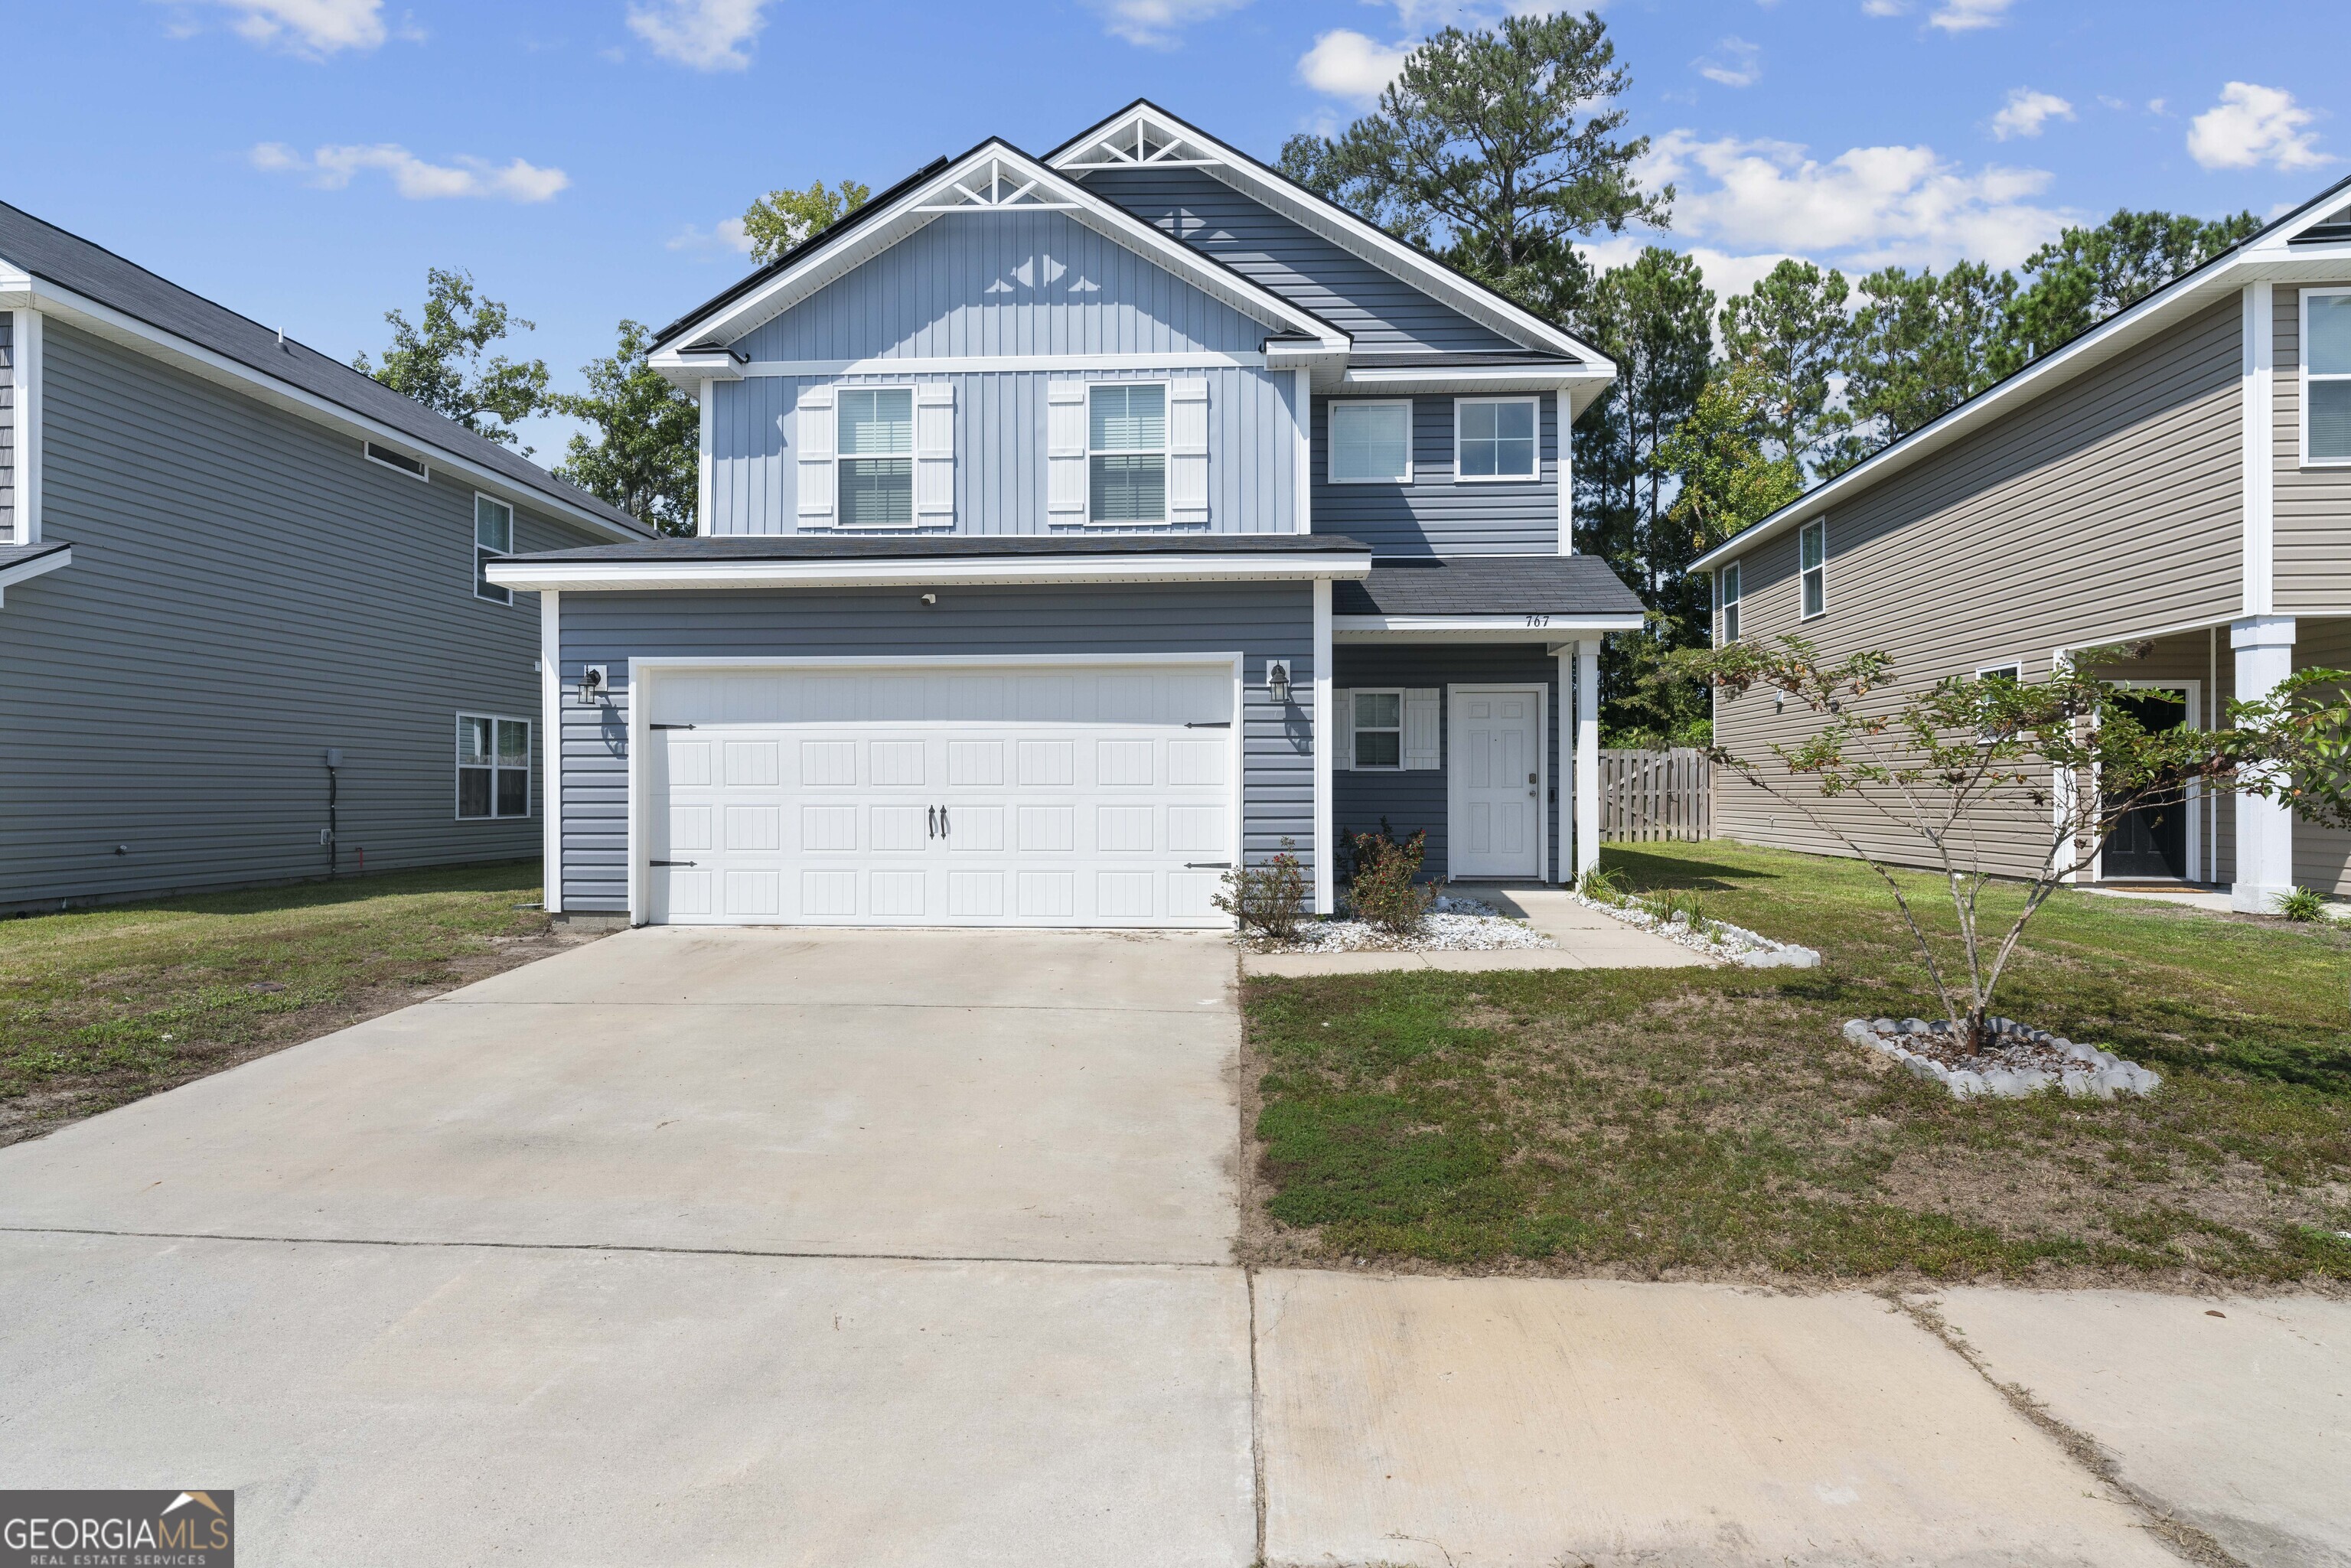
(1380, 311)
(1433, 514)
(246, 592)
(1260, 620)
(2104, 510)
(2313, 505)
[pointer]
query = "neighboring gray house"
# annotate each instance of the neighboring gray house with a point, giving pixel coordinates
(1071, 529)
(2176, 481)
(226, 559)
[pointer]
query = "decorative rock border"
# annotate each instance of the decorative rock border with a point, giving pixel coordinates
(2090, 1073)
(1453, 925)
(1720, 939)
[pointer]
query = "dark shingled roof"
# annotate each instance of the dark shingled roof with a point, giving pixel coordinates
(71, 262)
(1488, 585)
(21, 555)
(926, 546)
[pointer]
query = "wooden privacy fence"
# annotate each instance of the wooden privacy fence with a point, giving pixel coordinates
(1650, 795)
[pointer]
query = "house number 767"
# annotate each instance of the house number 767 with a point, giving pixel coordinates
(1538, 620)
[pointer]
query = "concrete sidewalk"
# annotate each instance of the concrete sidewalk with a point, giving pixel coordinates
(1583, 938)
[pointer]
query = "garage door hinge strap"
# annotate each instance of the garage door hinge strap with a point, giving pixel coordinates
(1207, 865)
(673, 862)
(1209, 724)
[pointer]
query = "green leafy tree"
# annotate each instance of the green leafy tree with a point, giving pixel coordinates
(1495, 150)
(1921, 345)
(440, 362)
(644, 458)
(2088, 275)
(785, 218)
(1792, 327)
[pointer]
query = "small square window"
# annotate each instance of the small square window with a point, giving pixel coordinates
(493, 767)
(1495, 438)
(493, 537)
(1370, 442)
(1379, 729)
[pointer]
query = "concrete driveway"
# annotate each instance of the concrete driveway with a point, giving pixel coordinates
(794, 1247)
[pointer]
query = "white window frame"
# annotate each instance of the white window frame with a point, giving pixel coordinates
(457, 768)
(422, 473)
(2302, 360)
(1356, 763)
(1534, 476)
(1734, 582)
(1817, 528)
(1331, 438)
(484, 589)
(1166, 457)
(914, 401)
(2015, 670)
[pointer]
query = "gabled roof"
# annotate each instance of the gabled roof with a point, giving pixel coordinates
(68, 275)
(993, 176)
(2312, 244)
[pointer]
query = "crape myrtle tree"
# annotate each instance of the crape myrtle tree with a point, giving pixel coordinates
(1927, 776)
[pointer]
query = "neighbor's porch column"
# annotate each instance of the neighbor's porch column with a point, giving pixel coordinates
(1587, 756)
(2264, 649)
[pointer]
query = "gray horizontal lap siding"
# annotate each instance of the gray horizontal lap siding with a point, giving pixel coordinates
(2313, 505)
(1416, 801)
(246, 590)
(1000, 450)
(1261, 621)
(1379, 309)
(1433, 514)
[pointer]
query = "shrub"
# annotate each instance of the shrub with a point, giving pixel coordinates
(1268, 899)
(2301, 904)
(1605, 886)
(1386, 889)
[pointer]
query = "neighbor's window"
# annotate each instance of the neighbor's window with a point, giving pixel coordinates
(2326, 375)
(2014, 675)
(1813, 549)
(1371, 443)
(1494, 438)
(1379, 729)
(1729, 578)
(877, 457)
(493, 766)
(492, 537)
(391, 457)
(1126, 453)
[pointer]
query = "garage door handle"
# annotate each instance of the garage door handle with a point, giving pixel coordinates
(673, 862)
(930, 822)
(1207, 865)
(946, 826)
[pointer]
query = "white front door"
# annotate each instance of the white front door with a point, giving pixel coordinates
(945, 795)
(1497, 794)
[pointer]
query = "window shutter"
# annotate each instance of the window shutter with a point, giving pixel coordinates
(813, 429)
(1187, 451)
(1421, 728)
(1065, 452)
(1342, 719)
(935, 439)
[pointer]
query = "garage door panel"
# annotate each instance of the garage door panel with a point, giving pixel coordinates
(1124, 829)
(897, 764)
(1123, 764)
(1048, 764)
(900, 829)
(1048, 830)
(689, 828)
(975, 830)
(824, 765)
(901, 894)
(828, 893)
(752, 894)
(974, 764)
(1197, 829)
(975, 894)
(1047, 895)
(825, 829)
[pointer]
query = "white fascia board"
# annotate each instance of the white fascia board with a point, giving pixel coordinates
(105, 321)
(681, 369)
(606, 576)
(911, 213)
(25, 570)
(1473, 628)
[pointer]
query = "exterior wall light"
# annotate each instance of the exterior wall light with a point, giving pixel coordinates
(1277, 680)
(591, 683)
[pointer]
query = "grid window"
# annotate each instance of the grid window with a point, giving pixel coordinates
(2326, 375)
(1813, 547)
(493, 767)
(1731, 603)
(493, 537)
(1494, 438)
(1371, 444)
(1126, 453)
(1379, 729)
(877, 457)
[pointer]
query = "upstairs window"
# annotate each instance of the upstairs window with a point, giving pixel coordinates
(2326, 376)
(1813, 554)
(1379, 730)
(493, 767)
(1370, 442)
(1729, 580)
(1494, 438)
(493, 537)
(876, 455)
(1126, 453)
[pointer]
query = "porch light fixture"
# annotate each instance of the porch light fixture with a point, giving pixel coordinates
(591, 683)
(1277, 680)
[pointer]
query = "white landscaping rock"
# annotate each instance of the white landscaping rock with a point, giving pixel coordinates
(1720, 939)
(1453, 925)
(2090, 1073)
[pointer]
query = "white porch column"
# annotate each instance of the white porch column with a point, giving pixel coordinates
(1326, 885)
(1587, 756)
(550, 747)
(2264, 650)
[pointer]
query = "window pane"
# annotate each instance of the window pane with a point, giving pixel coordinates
(1815, 540)
(482, 584)
(1129, 490)
(493, 525)
(1477, 421)
(2330, 334)
(473, 740)
(1379, 710)
(1514, 421)
(1379, 749)
(514, 792)
(2330, 420)
(1731, 583)
(514, 740)
(876, 420)
(877, 492)
(1515, 458)
(1813, 597)
(1371, 441)
(473, 791)
(1127, 418)
(1730, 622)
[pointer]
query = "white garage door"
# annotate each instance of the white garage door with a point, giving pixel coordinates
(962, 796)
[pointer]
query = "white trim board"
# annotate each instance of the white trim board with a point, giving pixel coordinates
(590, 576)
(26, 350)
(995, 364)
(1476, 628)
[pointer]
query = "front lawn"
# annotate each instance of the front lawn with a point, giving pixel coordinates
(1712, 1122)
(101, 1007)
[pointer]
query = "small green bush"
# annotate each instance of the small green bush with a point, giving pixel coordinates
(1387, 890)
(2301, 904)
(1605, 886)
(1268, 899)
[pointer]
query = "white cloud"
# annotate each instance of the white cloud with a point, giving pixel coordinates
(1967, 15)
(726, 234)
(333, 168)
(706, 35)
(1735, 63)
(1872, 204)
(1346, 64)
(314, 28)
(2255, 125)
(2026, 112)
(1158, 23)
(1885, 7)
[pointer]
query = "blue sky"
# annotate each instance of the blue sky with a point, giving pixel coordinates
(305, 160)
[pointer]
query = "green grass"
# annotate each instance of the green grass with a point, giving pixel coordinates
(102, 1006)
(1714, 1123)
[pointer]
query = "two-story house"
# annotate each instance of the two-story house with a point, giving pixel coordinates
(246, 632)
(2176, 484)
(1072, 529)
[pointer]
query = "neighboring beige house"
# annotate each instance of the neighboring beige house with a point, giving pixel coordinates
(2178, 480)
